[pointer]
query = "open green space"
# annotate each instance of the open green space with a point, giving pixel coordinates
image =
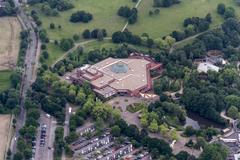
(172, 18)
(5, 80)
(104, 16)
(55, 52)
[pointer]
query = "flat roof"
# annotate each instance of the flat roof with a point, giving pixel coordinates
(131, 73)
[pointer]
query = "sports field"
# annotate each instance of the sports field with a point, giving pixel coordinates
(5, 134)
(172, 18)
(9, 42)
(104, 16)
(5, 80)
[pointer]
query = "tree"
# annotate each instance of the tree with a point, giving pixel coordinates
(118, 37)
(116, 131)
(86, 34)
(100, 35)
(81, 16)
(163, 128)
(52, 26)
(18, 156)
(229, 13)
(214, 152)
(66, 44)
(189, 131)
(183, 155)
(221, 8)
(76, 37)
(153, 127)
(233, 112)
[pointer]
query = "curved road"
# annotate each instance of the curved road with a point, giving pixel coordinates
(29, 70)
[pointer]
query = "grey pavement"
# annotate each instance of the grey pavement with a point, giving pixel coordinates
(46, 152)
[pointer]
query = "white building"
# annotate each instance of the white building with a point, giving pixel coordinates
(205, 67)
(236, 156)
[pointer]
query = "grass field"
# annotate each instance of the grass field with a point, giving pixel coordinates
(9, 42)
(5, 80)
(55, 52)
(5, 134)
(104, 16)
(172, 18)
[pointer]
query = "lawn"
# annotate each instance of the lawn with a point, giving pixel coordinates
(5, 80)
(54, 53)
(104, 16)
(172, 18)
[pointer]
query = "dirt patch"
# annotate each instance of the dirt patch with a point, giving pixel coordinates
(5, 134)
(9, 42)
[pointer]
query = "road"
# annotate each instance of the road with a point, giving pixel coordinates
(29, 70)
(46, 152)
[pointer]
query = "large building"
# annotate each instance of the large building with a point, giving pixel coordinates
(130, 76)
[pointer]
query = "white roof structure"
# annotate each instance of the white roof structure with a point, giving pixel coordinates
(236, 156)
(205, 67)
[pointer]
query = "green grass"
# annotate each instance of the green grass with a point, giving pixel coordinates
(104, 16)
(172, 18)
(5, 80)
(54, 53)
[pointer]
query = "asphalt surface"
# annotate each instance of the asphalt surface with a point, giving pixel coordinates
(45, 152)
(28, 71)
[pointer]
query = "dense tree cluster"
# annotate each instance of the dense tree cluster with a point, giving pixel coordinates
(206, 95)
(60, 5)
(192, 26)
(96, 33)
(128, 13)
(214, 152)
(48, 11)
(126, 36)
(226, 12)
(165, 3)
(81, 16)
(155, 146)
(66, 44)
(8, 8)
(160, 116)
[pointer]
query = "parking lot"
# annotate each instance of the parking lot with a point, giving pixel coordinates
(43, 146)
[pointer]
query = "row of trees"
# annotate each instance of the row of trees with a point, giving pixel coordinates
(29, 130)
(96, 34)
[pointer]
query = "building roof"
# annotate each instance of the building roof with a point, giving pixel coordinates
(205, 67)
(122, 74)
